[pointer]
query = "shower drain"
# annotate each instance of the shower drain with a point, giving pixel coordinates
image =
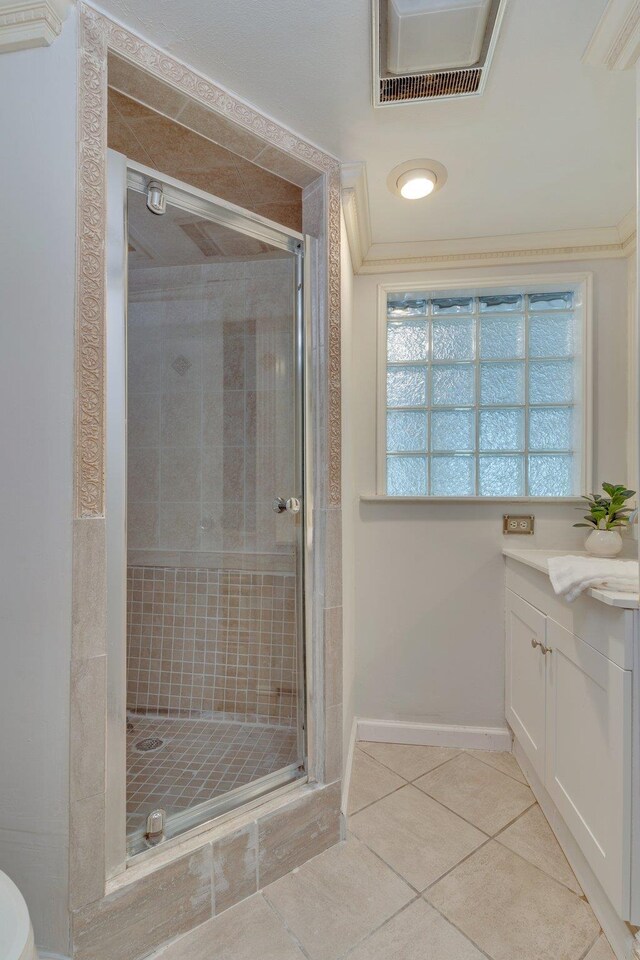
(149, 743)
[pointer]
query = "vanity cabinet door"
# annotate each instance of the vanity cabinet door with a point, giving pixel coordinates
(589, 756)
(525, 678)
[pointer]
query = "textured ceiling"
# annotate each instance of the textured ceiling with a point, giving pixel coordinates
(549, 146)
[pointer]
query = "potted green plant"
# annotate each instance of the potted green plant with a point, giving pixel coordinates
(607, 515)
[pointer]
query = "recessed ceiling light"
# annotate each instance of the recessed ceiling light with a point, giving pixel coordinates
(415, 184)
(415, 179)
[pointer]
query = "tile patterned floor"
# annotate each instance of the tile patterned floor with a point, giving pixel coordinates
(200, 759)
(448, 857)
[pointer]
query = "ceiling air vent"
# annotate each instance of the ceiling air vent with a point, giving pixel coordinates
(432, 49)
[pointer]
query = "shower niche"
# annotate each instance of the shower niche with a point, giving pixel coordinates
(214, 507)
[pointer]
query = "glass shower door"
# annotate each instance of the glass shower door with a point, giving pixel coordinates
(215, 698)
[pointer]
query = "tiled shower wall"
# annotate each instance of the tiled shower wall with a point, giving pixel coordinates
(211, 618)
(212, 642)
(210, 353)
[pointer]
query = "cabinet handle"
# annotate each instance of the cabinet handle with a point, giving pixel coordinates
(538, 643)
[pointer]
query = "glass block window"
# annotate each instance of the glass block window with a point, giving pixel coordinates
(482, 395)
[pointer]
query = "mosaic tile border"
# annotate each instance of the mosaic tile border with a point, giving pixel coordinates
(91, 267)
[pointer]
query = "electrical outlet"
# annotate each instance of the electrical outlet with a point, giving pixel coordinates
(523, 525)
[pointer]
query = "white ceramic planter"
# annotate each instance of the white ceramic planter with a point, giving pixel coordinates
(604, 543)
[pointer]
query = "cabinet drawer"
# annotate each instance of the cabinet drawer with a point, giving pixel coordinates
(525, 677)
(588, 756)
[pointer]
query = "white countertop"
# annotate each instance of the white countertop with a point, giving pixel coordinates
(538, 559)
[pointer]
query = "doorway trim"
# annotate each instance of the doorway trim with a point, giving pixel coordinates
(287, 830)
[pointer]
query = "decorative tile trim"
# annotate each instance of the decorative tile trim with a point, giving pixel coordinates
(97, 34)
(334, 386)
(30, 23)
(196, 86)
(91, 266)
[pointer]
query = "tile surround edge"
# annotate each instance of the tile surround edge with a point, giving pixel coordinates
(317, 806)
(98, 35)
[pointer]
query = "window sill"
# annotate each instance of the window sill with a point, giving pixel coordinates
(382, 498)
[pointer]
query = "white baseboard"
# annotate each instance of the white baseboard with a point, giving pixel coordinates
(47, 955)
(434, 734)
(616, 930)
(346, 780)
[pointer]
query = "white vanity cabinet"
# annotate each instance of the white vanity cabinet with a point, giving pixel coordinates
(526, 680)
(569, 702)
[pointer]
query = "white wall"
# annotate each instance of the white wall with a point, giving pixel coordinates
(37, 270)
(429, 577)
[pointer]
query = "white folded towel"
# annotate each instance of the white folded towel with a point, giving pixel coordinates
(571, 575)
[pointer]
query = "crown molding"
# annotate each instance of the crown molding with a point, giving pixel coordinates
(627, 228)
(615, 43)
(554, 245)
(30, 23)
(355, 207)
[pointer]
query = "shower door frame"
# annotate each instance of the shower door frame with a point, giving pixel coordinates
(124, 174)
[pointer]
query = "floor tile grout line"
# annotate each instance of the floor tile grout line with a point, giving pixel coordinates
(279, 917)
(549, 876)
(459, 751)
(470, 822)
(456, 927)
(525, 782)
(421, 893)
(592, 945)
(437, 767)
(489, 765)
(417, 897)
(424, 793)
(497, 836)
(382, 764)
(376, 930)
(354, 813)
(504, 846)
(379, 762)
(514, 819)
(449, 810)
(387, 865)
(456, 865)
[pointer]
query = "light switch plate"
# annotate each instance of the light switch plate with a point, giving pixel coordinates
(519, 525)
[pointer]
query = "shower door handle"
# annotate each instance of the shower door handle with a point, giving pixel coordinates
(292, 505)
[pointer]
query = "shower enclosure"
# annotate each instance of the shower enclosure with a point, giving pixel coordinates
(215, 511)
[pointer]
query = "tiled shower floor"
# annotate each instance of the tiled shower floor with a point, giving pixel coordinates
(200, 759)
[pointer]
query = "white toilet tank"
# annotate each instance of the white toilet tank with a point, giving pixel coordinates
(16, 932)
